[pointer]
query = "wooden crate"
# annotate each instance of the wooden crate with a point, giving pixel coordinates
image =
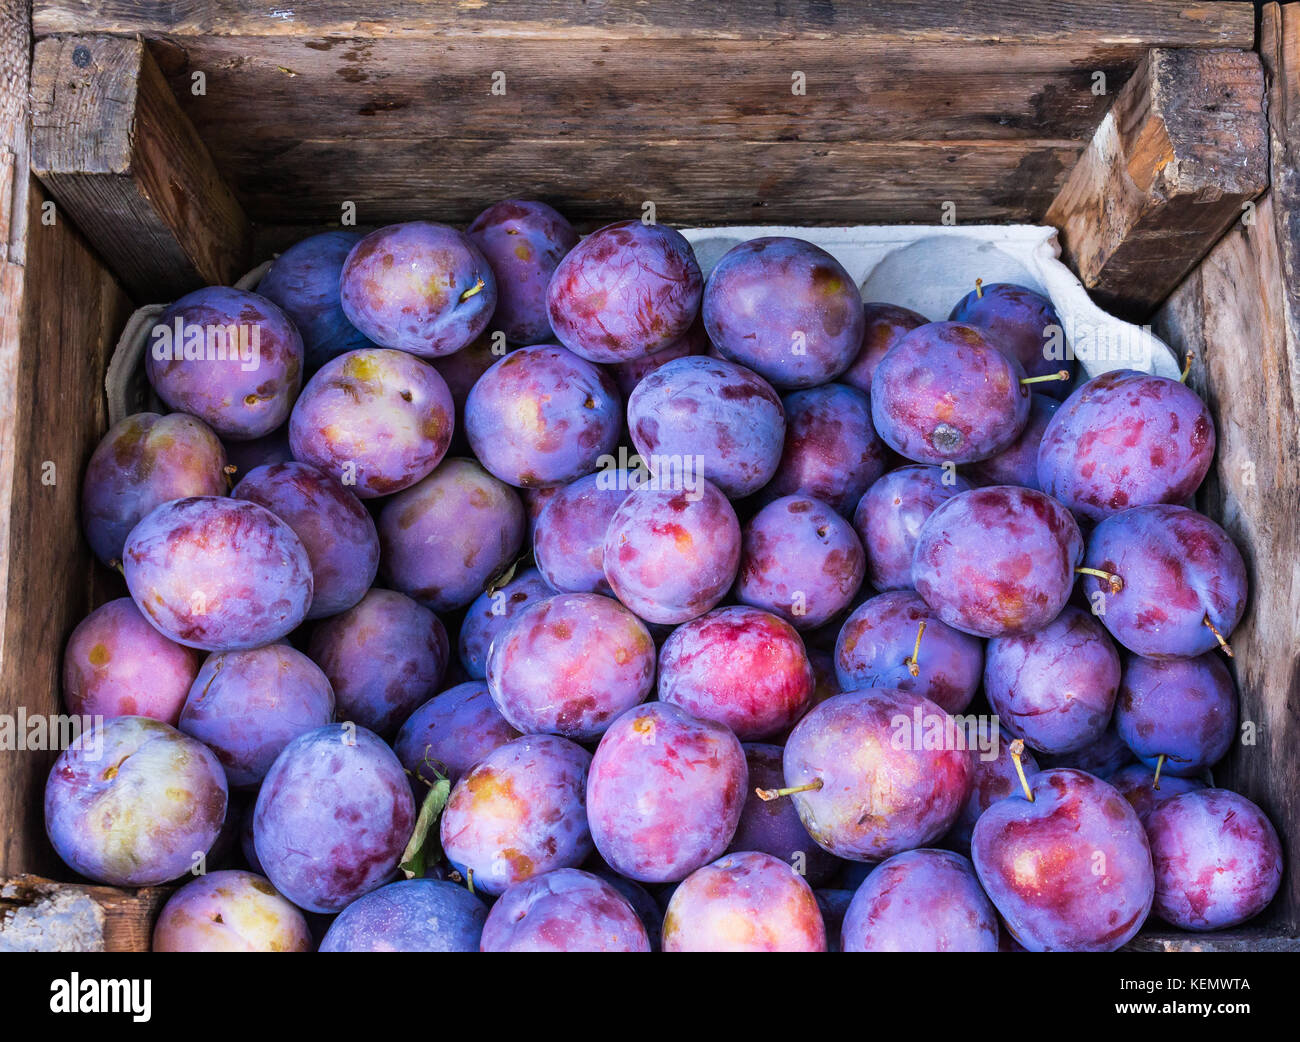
(1138, 128)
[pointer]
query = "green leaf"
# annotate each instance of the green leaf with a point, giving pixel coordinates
(422, 849)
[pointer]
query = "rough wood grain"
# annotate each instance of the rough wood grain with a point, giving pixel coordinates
(1182, 149)
(1239, 313)
(1064, 22)
(116, 921)
(71, 313)
(113, 147)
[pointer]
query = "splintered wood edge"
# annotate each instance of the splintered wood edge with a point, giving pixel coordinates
(126, 917)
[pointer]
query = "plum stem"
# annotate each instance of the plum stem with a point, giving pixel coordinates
(1187, 368)
(1018, 747)
(1227, 649)
(1116, 583)
(477, 287)
(913, 666)
(979, 289)
(768, 795)
(1159, 766)
(1060, 374)
(116, 565)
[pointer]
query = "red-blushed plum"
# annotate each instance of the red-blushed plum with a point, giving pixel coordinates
(921, 901)
(646, 907)
(444, 540)
(993, 777)
(890, 514)
(230, 911)
(885, 325)
(413, 915)
(695, 341)
(491, 612)
(524, 241)
(519, 812)
(672, 555)
(800, 560)
(418, 287)
(376, 420)
(831, 449)
(335, 529)
(569, 535)
(384, 657)
(1218, 860)
(1182, 710)
(257, 452)
(134, 802)
(1055, 687)
(1137, 784)
(726, 418)
(1024, 325)
(142, 462)
(665, 793)
(229, 357)
(333, 817)
(304, 282)
(625, 291)
(246, 706)
(461, 372)
(567, 910)
(542, 416)
(1126, 439)
(117, 664)
(878, 647)
(218, 574)
(877, 772)
(1102, 758)
(1183, 580)
(945, 393)
(1069, 870)
(997, 561)
(744, 902)
(452, 732)
(786, 309)
(1017, 464)
(773, 826)
(740, 666)
(569, 665)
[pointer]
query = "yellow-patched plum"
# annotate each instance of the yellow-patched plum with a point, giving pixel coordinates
(921, 901)
(993, 777)
(134, 802)
(800, 560)
(117, 664)
(786, 309)
(376, 420)
(563, 911)
(626, 291)
(491, 612)
(672, 555)
(665, 792)
(333, 817)
(414, 915)
(335, 529)
(542, 416)
(1069, 870)
(1017, 464)
(418, 287)
(885, 325)
(218, 574)
(740, 666)
(1024, 325)
(1182, 711)
(229, 357)
(997, 561)
(569, 535)
(142, 462)
(384, 657)
(569, 665)
(519, 812)
(452, 732)
(889, 517)
(445, 539)
(1138, 784)
(246, 706)
(230, 911)
(744, 902)
(879, 772)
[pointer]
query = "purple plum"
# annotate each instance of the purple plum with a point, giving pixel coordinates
(695, 341)
(1180, 711)
(885, 325)
(452, 732)
(1138, 784)
(491, 612)
(563, 911)
(889, 517)
(230, 911)
(461, 372)
(1017, 464)
(1102, 758)
(244, 456)
(413, 915)
(993, 777)
(569, 535)
(1024, 325)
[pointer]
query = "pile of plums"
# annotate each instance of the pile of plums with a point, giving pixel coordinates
(501, 590)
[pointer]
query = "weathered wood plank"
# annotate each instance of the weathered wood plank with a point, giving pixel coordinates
(1065, 22)
(122, 160)
(1182, 149)
(71, 314)
(41, 915)
(1239, 313)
